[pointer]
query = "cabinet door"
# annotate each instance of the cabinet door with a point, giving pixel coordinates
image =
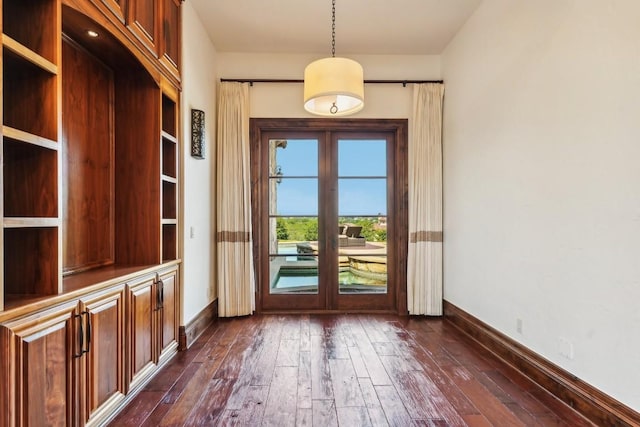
(170, 47)
(43, 347)
(142, 334)
(103, 364)
(168, 313)
(143, 21)
(117, 7)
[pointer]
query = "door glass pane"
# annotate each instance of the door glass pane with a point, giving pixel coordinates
(293, 266)
(363, 273)
(294, 157)
(293, 216)
(362, 157)
(363, 197)
(362, 216)
(293, 196)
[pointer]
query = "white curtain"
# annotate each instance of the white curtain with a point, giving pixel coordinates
(236, 283)
(424, 264)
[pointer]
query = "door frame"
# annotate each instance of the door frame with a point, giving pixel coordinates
(399, 222)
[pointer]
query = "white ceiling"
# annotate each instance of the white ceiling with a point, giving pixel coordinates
(408, 27)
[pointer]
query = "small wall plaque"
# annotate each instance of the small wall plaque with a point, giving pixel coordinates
(197, 134)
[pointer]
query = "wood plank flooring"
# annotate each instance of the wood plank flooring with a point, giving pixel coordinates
(340, 370)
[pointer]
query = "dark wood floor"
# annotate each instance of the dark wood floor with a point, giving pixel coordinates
(347, 370)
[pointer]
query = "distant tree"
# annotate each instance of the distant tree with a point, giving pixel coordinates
(367, 228)
(311, 232)
(281, 229)
(381, 235)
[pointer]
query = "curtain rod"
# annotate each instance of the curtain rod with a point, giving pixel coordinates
(402, 82)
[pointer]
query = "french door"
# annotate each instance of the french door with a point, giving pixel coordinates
(330, 215)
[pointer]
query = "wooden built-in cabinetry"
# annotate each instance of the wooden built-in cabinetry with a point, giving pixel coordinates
(169, 174)
(169, 52)
(30, 149)
(154, 324)
(69, 361)
(89, 283)
(76, 362)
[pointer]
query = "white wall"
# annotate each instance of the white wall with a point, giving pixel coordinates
(285, 100)
(199, 82)
(542, 181)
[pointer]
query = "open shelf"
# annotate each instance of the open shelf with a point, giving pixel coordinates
(29, 97)
(111, 130)
(169, 116)
(169, 242)
(30, 23)
(30, 262)
(22, 136)
(88, 193)
(169, 177)
(30, 180)
(31, 222)
(169, 200)
(27, 54)
(169, 149)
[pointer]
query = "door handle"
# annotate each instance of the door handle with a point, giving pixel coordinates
(88, 340)
(160, 295)
(80, 335)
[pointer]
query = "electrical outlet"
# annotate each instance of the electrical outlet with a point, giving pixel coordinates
(565, 348)
(519, 325)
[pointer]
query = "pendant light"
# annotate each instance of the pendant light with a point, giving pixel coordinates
(333, 86)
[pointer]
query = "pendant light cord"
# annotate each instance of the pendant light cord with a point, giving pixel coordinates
(334, 108)
(333, 29)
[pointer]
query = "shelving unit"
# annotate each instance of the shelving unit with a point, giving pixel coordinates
(89, 188)
(169, 177)
(30, 150)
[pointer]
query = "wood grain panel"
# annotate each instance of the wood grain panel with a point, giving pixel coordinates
(87, 153)
(145, 16)
(29, 97)
(169, 116)
(30, 180)
(31, 261)
(117, 7)
(142, 343)
(40, 15)
(169, 313)
(143, 22)
(44, 374)
(137, 156)
(169, 209)
(171, 28)
(169, 242)
(169, 152)
(46, 380)
(105, 361)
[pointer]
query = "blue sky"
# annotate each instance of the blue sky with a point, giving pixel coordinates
(356, 158)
